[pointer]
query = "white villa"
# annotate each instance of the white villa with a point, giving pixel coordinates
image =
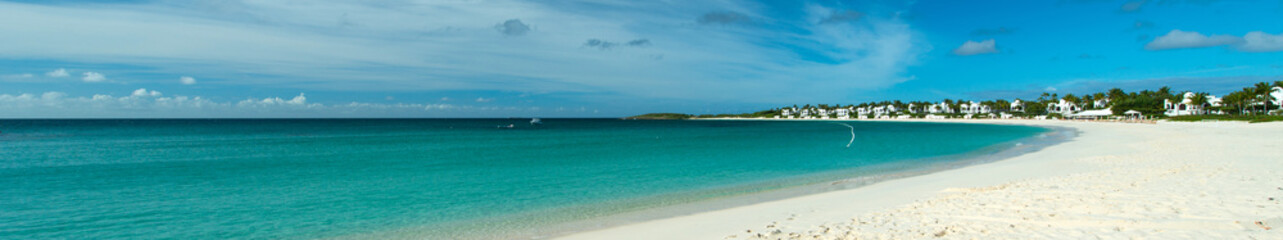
(1063, 107)
(1278, 97)
(1017, 106)
(939, 108)
(842, 113)
(974, 108)
(1187, 106)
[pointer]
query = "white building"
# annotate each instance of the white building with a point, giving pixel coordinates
(1278, 97)
(913, 108)
(940, 108)
(1017, 106)
(974, 108)
(1188, 107)
(842, 113)
(880, 111)
(1063, 107)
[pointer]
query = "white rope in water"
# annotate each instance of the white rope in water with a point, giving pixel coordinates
(848, 144)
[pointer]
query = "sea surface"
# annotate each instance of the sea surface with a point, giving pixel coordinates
(424, 178)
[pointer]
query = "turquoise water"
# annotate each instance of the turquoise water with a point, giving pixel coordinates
(307, 179)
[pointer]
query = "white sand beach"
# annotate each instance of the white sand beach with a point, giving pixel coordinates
(1205, 180)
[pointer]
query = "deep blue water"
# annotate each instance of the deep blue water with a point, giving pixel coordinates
(306, 179)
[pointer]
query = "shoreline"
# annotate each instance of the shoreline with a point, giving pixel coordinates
(877, 210)
(849, 179)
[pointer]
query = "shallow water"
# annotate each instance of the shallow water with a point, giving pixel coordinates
(305, 179)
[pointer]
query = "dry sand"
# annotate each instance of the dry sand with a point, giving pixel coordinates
(1207, 180)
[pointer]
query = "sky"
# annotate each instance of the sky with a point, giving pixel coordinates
(567, 58)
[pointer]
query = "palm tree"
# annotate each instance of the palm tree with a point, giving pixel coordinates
(1002, 105)
(1117, 94)
(1200, 100)
(1262, 93)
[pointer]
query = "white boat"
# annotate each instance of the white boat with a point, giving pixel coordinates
(535, 121)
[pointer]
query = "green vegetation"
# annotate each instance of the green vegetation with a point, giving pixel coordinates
(1248, 118)
(661, 116)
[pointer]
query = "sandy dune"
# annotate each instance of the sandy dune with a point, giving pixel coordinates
(1217, 180)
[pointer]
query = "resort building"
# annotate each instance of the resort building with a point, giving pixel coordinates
(1063, 107)
(1188, 107)
(974, 108)
(913, 108)
(1017, 106)
(842, 113)
(1278, 97)
(940, 108)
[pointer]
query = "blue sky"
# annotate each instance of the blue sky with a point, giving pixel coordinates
(517, 58)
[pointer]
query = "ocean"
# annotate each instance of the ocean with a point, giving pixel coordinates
(427, 178)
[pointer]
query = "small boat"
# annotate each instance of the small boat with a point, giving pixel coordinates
(509, 126)
(535, 121)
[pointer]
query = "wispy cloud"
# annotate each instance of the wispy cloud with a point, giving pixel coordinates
(1261, 42)
(1132, 6)
(512, 27)
(152, 103)
(186, 80)
(61, 72)
(1256, 41)
(93, 77)
(842, 17)
(976, 48)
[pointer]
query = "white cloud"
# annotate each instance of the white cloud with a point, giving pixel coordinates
(187, 80)
(1050, 89)
(1182, 39)
(974, 48)
(482, 100)
(93, 77)
(52, 95)
(61, 72)
(443, 99)
(299, 100)
(1261, 42)
(142, 92)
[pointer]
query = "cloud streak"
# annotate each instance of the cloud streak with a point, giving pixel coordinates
(976, 48)
(1256, 41)
(144, 102)
(61, 72)
(93, 77)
